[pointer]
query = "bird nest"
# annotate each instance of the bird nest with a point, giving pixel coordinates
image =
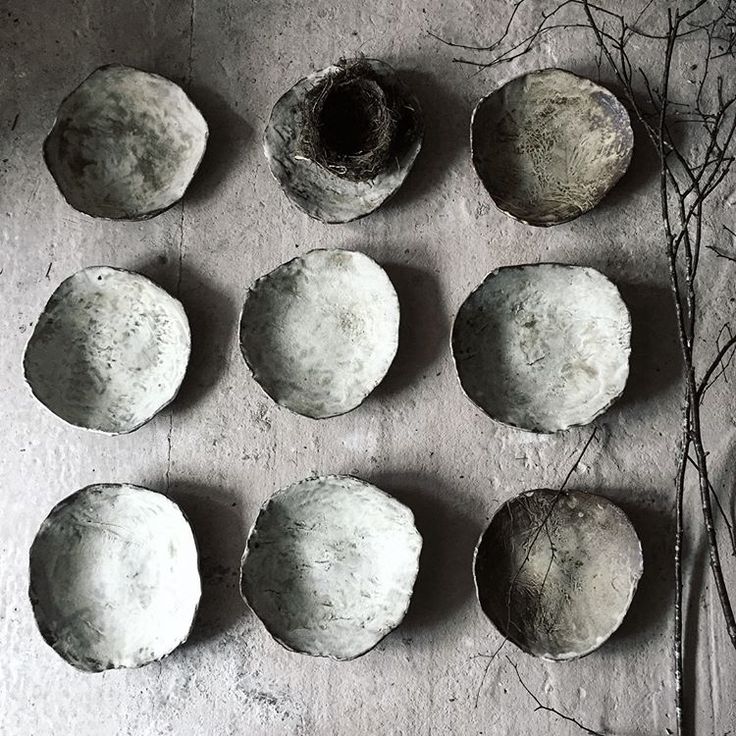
(353, 122)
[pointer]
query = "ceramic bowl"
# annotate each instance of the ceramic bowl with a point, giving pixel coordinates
(329, 566)
(320, 332)
(317, 191)
(114, 580)
(109, 350)
(556, 572)
(549, 145)
(543, 347)
(125, 144)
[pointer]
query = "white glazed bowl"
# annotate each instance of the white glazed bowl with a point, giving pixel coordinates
(125, 144)
(114, 580)
(109, 350)
(330, 565)
(543, 347)
(320, 332)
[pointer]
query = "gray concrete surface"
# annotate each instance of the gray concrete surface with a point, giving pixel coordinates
(223, 447)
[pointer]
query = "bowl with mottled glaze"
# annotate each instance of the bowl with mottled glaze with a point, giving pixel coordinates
(109, 350)
(320, 332)
(114, 578)
(543, 347)
(329, 566)
(549, 145)
(125, 144)
(556, 571)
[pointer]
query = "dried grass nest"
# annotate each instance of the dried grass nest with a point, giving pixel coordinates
(354, 122)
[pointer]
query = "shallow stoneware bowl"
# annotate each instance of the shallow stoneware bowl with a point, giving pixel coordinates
(329, 566)
(109, 350)
(555, 572)
(125, 144)
(543, 347)
(317, 191)
(549, 145)
(320, 332)
(114, 580)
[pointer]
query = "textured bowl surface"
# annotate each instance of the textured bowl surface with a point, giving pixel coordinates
(114, 577)
(125, 144)
(330, 565)
(317, 191)
(549, 145)
(556, 573)
(543, 347)
(109, 350)
(320, 332)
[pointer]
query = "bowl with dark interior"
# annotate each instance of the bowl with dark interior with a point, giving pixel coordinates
(342, 141)
(556, 572)
(549, 145)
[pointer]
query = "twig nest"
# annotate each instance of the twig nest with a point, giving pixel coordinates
(320, 332)
(555, 572)
(109, 350)
(125, 144)
(342, 140)
(549, 145)
(329, 566)
(114, 580)
(543, 347)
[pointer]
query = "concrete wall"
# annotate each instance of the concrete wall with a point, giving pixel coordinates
(223, 447)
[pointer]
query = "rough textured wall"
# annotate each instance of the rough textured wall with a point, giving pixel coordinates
(223, 447)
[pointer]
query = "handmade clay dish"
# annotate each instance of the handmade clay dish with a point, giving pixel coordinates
(318, 191)
(329, 566)
(549, 145)
(109, 350)
(555, 572)
(543, 347)
(320, 332)
(114, 580)
(125, 144)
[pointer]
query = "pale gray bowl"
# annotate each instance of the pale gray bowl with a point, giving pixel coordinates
(313, 189)
(125, 144)
(549, 145)
(556, 572)
(320, 331)
(330, 565)
(109, 350)
(543, 347)
(114, 578)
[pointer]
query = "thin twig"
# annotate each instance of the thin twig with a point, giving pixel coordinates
(541, 706)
